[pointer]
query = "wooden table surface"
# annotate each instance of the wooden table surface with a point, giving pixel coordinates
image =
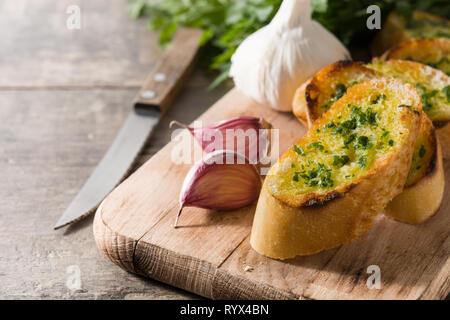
(63, 96)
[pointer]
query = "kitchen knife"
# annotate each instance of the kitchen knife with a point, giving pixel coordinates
(152, 101)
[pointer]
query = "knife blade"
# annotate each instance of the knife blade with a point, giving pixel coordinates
(153, 99)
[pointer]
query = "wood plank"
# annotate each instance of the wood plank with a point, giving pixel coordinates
(109, 50)
(211, 255)
(49, 144)
(50, 141)
(64, 94)
(289, 277)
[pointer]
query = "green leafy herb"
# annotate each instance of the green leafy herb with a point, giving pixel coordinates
(363, 141)
(345, 127)
(341, 89)
(438, 63)
(226, 23)
(313, 183)
(446, 91)
(362, 118)
(378, 98)
(422, 151)
(329, 125)
(350, 139)
(425, 96)
(316, 145)
(317, 175)
(298, 149)
(362, 161)
(339, 161)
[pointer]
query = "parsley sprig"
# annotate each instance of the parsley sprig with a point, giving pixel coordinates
(317, 175)
(226, 23)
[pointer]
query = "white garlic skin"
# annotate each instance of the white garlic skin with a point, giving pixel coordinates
(274, 61)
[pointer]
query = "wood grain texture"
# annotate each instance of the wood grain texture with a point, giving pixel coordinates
(64, 95)
(110, 49)
(210, 253)
(50, 141)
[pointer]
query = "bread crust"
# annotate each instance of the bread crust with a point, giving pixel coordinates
(310, 96)
(420, 50)
(431, 75)
(443, 134)
(394, 31)
(284, 229)
(422, 200)
(418, 188)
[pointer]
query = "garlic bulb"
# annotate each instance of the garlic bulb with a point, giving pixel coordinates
(222, 180)
(245, 135)
(274, 61)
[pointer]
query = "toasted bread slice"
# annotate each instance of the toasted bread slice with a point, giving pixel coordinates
(432, 52)
(432, 85)
(317, 95)
(397, 29)
(443, 134)
(327, 188)
(434, 89)
(347, 73)
(424, 188)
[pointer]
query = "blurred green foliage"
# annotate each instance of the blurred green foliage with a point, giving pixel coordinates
(226, 23)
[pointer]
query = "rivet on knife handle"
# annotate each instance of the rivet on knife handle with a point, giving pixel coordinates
(165, 80)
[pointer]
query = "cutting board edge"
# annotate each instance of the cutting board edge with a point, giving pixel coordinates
(196, 276)
(163, 265)
(116, 247)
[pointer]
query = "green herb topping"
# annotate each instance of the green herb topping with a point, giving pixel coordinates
(422, 151)
(299, 150)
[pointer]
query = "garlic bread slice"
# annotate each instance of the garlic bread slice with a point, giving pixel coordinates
(424, 187)
(350, 72)
(317, 95)
(327, 188)
(434, 89)
(433, 85)
(434, 52)
(397, 29)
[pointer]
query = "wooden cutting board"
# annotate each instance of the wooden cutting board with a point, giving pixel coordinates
(210, 254)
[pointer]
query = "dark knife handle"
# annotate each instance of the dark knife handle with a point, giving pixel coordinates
(169, 74)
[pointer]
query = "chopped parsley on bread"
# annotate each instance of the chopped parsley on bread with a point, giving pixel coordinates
(397, 29)
(327, 188)
(433, 85)
(317, 95)
(434, 52)
(425, 154)
(424, 187)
